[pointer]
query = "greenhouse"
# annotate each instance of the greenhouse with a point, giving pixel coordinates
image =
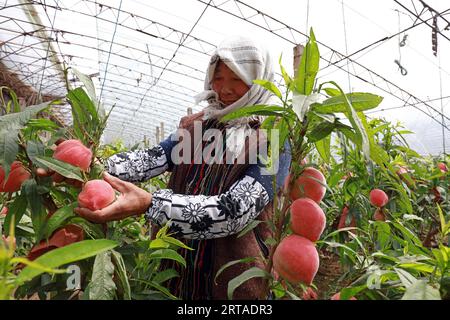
(224, 150)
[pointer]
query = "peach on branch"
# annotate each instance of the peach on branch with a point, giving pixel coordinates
(296, 259)
(337, 296)
(378, 198)
(379, 215)
(16, 177)
(343, 219)
(75, 153)
(310, 184)
(96, 195)
(443, 167)
(307, 219)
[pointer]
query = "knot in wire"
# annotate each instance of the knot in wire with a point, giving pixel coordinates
(403, 70)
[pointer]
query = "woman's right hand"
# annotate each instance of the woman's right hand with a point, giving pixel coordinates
(188, 120)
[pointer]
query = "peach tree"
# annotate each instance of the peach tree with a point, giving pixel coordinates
(42, 233)
(306, 117)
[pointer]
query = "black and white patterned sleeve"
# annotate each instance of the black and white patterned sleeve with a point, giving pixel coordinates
(138, 165)
(206, 217)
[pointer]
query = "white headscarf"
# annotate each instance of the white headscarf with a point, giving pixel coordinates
(249, 61)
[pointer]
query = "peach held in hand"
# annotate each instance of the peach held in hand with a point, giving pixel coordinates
(307, 219)
(308, 185)
(16, 177)
(378, 198)
(74, 153)
(296, 259)
(96, 194)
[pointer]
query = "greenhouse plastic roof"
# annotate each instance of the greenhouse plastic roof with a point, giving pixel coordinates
(148, 58)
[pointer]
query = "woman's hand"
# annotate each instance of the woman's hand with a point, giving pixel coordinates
(186, 121)
(132, 201)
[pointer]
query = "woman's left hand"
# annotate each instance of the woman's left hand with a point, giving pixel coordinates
(132, 201)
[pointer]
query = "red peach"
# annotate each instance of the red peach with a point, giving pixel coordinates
(307, 219)
(378, 198)
(442, 166)
(296, 259)
(379, 215)
(96, 194)
(74, 153)
(310, 294)
(16, 177)
(344, 215)
(4, 211)
(337, 296)
(402, 170)
(308, 185)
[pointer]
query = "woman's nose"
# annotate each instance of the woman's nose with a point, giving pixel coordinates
(226, 88)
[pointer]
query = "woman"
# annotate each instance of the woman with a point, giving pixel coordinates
(208, 203)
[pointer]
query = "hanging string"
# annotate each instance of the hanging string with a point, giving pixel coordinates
(442, 105)
(346, 45)
(307, 17)
(401, 43)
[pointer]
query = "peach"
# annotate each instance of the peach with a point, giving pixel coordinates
(442, 166)
(16, 177)
(310, 294)
(379, 215)
(344, 217)
(378, 198)
(96, 194)
(337, 296)
(74, 153)
(4, 211)
(296, 259)
(307, 219)
(308, 185)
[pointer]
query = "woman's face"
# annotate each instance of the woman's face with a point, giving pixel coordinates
(228, 85)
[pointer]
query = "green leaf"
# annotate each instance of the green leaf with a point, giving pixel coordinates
(243, 277)
(321, 131)
(34, 149)
(158, 243)
(68, 254)
(42, 124)
(309, 66)
(17, 208)
(168, 254)
(269, 86)
(286, 77)
(102, 286)
(59, 219)
(65, 169)
(165, 275)
(360, 101)
(88, 84)
(405, 277)
(253, 224)
(383, 234)
(332, 92)
(232, 263)
(175, 242)
(10, 125)
(421, 290)
(421, 267)
(121, 271)
(323, 147)
(36, 205)
(347, 293)
(251, 110)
